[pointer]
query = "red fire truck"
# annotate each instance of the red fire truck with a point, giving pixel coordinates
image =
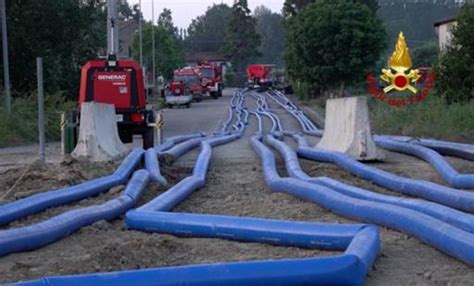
(121, 83)
(211, 79)
(260, 75)
(191, 78)
(178, 94)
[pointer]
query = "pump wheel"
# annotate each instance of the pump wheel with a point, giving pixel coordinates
(214, 95)
(148, 138)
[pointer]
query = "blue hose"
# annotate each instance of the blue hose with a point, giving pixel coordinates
(449, 174)
(39, 202)
(45, 232)
(447, 238)
(153, 167)
(451, 216)
(457, 199)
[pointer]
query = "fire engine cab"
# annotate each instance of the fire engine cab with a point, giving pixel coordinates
(121, 83)
(190, 76)
(211, 79)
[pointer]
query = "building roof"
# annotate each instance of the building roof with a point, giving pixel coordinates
(445, 21)
(206, 56)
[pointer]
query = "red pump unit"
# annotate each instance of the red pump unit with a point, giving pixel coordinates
(260, 74)
(121, 83)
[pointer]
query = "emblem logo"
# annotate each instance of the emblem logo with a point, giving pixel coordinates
(399, 76)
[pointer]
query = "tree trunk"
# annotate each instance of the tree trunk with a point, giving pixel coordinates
(343, 89)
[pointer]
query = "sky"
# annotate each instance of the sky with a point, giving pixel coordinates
(186, 10)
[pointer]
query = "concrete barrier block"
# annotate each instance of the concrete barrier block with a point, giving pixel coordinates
(347, 129)
(98, 134)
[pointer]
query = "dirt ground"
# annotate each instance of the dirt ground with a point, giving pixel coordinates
(235, 186)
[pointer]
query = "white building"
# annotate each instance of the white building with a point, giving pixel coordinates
(444, 32)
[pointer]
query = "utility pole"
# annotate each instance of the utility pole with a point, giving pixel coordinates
(153, 43)
(140, 25)
(42, 138)
(112, 27)
(6, 68)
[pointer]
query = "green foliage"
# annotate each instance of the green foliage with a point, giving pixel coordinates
(425, 55)
(456, 67)
(430, 118)
(415, 18)
(273, 40)
(332, 43)
(165, 21)
(22, 126)
(242, 40)
(66, 33)
(293, 7)
(207, 32)
(167, 55)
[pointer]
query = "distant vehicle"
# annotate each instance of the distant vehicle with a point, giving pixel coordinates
(260, 75)
(177, 94)
(192, 80)
(211, 79)
(121, 83)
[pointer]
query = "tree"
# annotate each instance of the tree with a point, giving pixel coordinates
(167, 55)
(333, 43)
(415, 18)
(207, 33)
(241, 40)
(425, 55)
(65, 33)
(456, 67)
(293, 7)
(127, 13)
(273, 41)
(165, 20)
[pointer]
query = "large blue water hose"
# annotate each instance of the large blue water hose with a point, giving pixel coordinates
(37, 235)
(24, 207)
(171, 141)
(447, 172)
(153, 167)
(445, 237)
(460, 150)
(176, 194)
(458, 199)
(451, 216)
(349, 268)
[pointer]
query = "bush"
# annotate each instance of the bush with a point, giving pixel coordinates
(431, 118)
(332, 44)
(22, 126)
(455, 70)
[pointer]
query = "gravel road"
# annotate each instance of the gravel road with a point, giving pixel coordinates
(235, 186)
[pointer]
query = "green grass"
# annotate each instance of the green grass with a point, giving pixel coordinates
(21, 127)
(430, 118)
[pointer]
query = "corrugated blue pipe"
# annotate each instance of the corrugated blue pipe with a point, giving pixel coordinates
(451, 216)
(460, 150)
(447, 238)
(446, 171)
(461, 200)
(39, 202)
(347, 269)
(153, 167)
(176, 194)
(171, 141)
(45, 232)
